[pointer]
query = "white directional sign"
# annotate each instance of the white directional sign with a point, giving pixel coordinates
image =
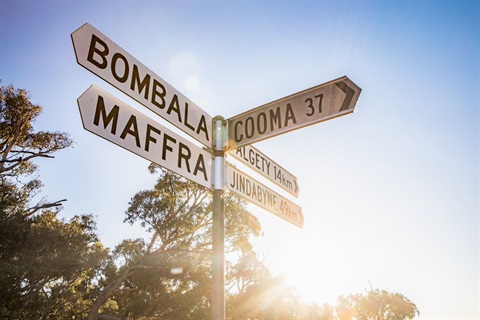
(107, 60)
(324, 102)
(255, 192)
(123, 125)
(266, 167)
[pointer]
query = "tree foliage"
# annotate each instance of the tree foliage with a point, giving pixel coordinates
(19, 146)
(273, 299)
(47, 265)
(170, 275)
(268, 298)
(52, 268)
(376, 305)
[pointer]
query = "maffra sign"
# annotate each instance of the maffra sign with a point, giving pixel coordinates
(324, 102)
(106, 59)
(117, 122)
(262, 164)
(251, 190)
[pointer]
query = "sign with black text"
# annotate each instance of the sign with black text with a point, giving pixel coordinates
(266, 167)
(324, 102)
(264, 197)
(106, 59)
(117, 122)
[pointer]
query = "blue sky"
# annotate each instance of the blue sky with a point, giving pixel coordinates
(389, 193)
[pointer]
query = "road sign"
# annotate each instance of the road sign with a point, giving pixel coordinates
(106, 59)
(324, 102)
(266, 167)
(117, 122)
(257, 193)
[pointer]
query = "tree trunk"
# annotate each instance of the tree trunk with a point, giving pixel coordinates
(108, 291)
(115, 284)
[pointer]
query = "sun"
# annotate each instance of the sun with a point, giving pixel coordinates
(308, 264)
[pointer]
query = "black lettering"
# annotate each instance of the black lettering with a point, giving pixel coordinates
(102, 53)
(200, 166)
(254, 192)
(144, 84)
(251, 155)
(156, 93)
(149, 137)
(240, 152)
(252, 127)
(166, 146)
(310, 106)
(126, 68)
(202, 126)
(174, 107)
(289, 115)
(186, 119)
(268, 198)
(320, 98)
(278, 175)
(232, 185)
(113, 114)
(275, 119)
(132, 122)
(262, 123)
(237, 138)
(186, 156)
(248, 187)
(257, 160)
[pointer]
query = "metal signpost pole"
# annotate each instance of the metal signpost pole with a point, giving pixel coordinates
(102, 113)
(218, 223)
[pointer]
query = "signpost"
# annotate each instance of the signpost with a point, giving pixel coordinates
(117, 122)
(262, 164)
(106, 59)
(324, 102)
(251, 190)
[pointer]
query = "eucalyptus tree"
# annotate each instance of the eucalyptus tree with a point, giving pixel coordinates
(376, 305)
(47, 264)
(168, 276)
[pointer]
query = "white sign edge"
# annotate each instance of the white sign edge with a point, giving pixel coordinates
(354, 101)
(193, 107)
(229, 167)
(206, 154)
(293, 178)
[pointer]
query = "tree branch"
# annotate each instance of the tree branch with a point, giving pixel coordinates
(111, 289)
(152, 242)
(10, 146)
(39, 206)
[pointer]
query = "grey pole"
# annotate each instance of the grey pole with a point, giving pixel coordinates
(218, 223)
